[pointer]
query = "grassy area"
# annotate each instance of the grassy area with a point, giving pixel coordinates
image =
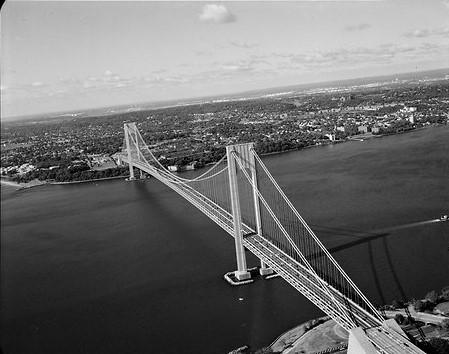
(289, 338)
(326, 335)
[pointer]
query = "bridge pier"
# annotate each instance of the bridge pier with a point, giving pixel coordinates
(128, 149)
(131, 173)
(242, 272)
(264, 269)
(360, 340)
(359, 343)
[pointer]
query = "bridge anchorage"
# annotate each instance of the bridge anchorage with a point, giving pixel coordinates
(241, 196)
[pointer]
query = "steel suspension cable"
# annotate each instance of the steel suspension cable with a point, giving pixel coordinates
(324, 285)
(343, 273)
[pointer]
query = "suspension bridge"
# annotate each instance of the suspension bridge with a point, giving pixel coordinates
(241, 196)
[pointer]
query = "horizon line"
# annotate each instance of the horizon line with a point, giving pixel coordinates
(185, 101)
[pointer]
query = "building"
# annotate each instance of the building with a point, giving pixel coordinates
(25, 168)
(331, 137)
(363, 129)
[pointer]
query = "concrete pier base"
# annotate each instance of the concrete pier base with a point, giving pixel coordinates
(242, 275)
(238, 278)
(266, 271)
(359, 343)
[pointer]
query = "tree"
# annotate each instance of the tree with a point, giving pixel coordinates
(445, 293)
(397, 304)
(399, 318)
(445, 324)
(432, 296)
(419, 305)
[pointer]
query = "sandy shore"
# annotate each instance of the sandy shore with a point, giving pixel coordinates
(30, 184)
(10, 183)
(36, 182)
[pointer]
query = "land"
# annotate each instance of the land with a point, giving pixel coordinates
(72, 147)
(32, 183)
(426, 322)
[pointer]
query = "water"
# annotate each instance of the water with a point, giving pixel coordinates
(133, 268)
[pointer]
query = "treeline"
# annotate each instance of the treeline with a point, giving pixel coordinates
(70, 174)
(202, 159)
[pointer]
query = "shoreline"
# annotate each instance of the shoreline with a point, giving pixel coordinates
(290, 339)
(88, 180)
(35, 184)
(292, 335)
(353, 138)
(19, 186)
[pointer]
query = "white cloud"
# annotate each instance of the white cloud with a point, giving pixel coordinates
(213, 13)
(425, 32)
(244, 45)
(37, 84)
(348, 57)
(358, 27)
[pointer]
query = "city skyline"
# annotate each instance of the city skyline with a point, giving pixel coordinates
(60, 56)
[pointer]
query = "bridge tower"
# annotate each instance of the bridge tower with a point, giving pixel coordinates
(132, 145)
(243, 152)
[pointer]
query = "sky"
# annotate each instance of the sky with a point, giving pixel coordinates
(68, 56)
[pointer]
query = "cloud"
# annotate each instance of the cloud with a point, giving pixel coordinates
(237, 67)
(362, 56)
(244, 45)
(425, 32)
(445, 3)
(358, 27)
(37, 84)
(212, 13)
(202, 53)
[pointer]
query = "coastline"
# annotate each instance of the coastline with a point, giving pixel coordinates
(18, 186)
(88, 180)
(353, 138)
(288, 338)
(34, 183)
(319, 335)
(323, 334)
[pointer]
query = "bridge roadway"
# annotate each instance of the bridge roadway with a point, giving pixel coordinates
(297, 275)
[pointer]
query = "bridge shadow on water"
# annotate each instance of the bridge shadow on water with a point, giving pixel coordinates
(160, 207)
(364, 237)
(360, 237)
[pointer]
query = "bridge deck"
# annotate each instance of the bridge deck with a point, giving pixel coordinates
(327, 298)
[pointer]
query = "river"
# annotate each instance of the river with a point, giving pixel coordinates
(130, 267)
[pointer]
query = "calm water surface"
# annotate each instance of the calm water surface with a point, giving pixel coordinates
(133, 268)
